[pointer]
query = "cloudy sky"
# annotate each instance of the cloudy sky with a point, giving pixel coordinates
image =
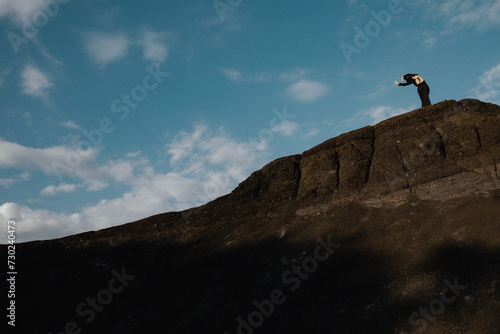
(111, 112)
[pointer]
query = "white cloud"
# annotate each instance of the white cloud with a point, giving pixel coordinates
(312, 132)
(378, 114)
(488, 89)
(459, 14)
(132, 154)
(303, 90)
(452, 17)
(375, 115)
(184, 143)
(286, 129)
(294, 74)
(205, 165)
(106, 47)
(232, 75)
(71, 125)
(20, 11)
(263, 76)
(7, 182)
(35, 82)
(237, 76)
(37, 224)
(430, 42)
(121, 170)
(155, 46)
(307, 91)
(78, 163)
(466, 13)
(203, 150)
(62, 188)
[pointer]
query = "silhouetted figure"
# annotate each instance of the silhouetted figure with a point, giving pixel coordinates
(422, 87)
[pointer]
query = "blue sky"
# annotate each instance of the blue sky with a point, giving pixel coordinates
(113, 111)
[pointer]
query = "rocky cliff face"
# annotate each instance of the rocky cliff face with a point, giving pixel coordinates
(393, 228)
(454, 145)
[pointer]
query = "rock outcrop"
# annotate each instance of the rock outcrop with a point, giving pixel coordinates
(454, 145)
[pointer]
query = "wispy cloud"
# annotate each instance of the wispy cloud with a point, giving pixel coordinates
(7, 182)
(430, 42)
(222, 28)
(488, 88)
(104, 48)
(450, 18)
(238, 76)
(232, 75)
(62, 188)
(71, 125)
(203, 150)
(286, 129)
(377, 114)
(264, 76)
(312, 132)
(294, 74)
(132, 154)
(458, 14)
(302, 90)
(155, 45)
(34, 82)
(307, 91)
(469, 13)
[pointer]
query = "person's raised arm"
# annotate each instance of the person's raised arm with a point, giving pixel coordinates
(402, 83)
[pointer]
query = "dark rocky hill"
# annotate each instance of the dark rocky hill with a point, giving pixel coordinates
(391, 228)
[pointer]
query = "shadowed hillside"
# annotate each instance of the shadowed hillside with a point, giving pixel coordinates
(392, 228)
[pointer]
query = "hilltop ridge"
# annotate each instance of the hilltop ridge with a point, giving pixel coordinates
(403, 153)
(358, 234)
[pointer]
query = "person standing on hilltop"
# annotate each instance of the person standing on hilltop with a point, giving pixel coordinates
(422, 87)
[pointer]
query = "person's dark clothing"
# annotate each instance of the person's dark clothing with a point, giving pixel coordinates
(422, 88)
(409, 80)
(423, 91)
